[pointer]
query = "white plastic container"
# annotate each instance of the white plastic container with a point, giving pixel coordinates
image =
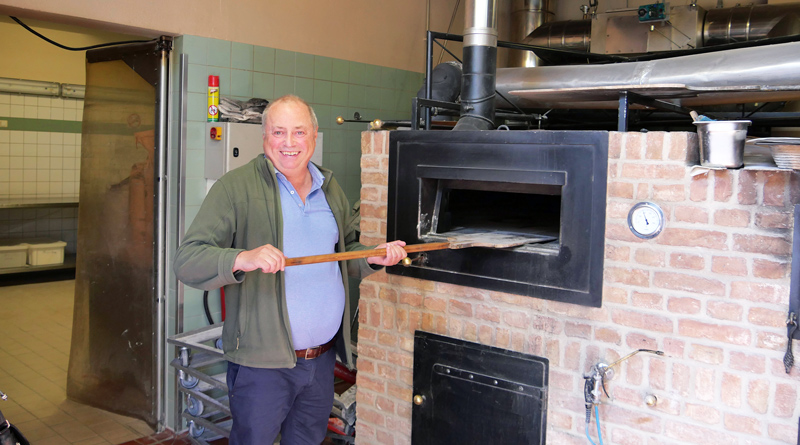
(46, 253)
(13, 254)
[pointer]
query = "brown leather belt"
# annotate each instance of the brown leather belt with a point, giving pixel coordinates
(316, 351)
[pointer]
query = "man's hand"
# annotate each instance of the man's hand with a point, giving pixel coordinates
(394, 253)
(267, 258)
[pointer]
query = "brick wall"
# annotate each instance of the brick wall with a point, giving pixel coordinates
(711, 291)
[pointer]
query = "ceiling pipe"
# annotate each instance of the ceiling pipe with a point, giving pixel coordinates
(527, 15)
(480, 66)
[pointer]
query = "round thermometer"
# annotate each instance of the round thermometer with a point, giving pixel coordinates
(646, 220)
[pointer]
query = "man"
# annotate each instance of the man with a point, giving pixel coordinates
(284, 326)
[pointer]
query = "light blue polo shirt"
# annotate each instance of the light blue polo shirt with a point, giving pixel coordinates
(314, 292)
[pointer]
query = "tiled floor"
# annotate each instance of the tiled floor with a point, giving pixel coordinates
(35, 332)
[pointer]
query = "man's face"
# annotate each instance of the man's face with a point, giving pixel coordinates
(290, 138)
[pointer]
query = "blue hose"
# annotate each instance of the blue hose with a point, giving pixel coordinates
(597, 422)
(589, 419)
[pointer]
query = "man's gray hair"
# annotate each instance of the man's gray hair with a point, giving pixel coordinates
(287, 98)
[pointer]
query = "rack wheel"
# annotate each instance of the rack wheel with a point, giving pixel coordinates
(188, 381)
(196, 430)
(195, 407)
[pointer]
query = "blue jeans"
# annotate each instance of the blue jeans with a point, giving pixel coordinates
(295, 402)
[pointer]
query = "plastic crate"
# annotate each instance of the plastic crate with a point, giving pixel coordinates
(13, 254)
(46, 253)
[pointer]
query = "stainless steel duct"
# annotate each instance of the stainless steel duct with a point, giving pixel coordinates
(755, 22)
(567, 34)
(756, 74)
(527, 15)
(480, 66)
(720, 26)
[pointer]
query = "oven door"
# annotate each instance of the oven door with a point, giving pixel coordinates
(547, 185)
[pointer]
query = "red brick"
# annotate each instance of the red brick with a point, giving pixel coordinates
(457, 307)
(620, 190)
(723, 186)
(617, 253)
(704, 384)
(767, 317)
(371, 384)
(635, 277)
(636, 171)
(634, 145)
(771, 341)
(724, 311)
(370, 163)
(647, 300)
(399, 392)
(657, 375)
(691, 214)
(485, 335)
(674, 347)
(410, 298)
(642, 321)
(773, 220)
(434, 304)
(731, 390)
(387, 339)
(502, 338)
(649, 257)
(682, 260)
(635, 340)
(683, 146)
(553, 352)
(386, 371)
(759, 292)
(748, 193)
(401, 359)
(729, 266)
(620, 232)
(580, 330)
(365, 333)
(388, 317)
(785, 400)
(374, 316)
(654, 146)
(775, 188)
(559, 420)
(742, 424)
(707, 354)
(669, 193)
(770, 269)
(782, 433)
(750, 363)
(488, 313)
(413, 283)
(708, 239)
(470, 332)
(614, 295)
(455, 290)
(535, 345)
(681, 379)
(758, 396)
(664, 171)
(615, 144)
(767, 245)
(389, 295)
(516, 319)
(607, 335)
(384, 438)
(688, 283)
(727, 334)
(572, 357)
(635, 419)
(698, 188)
(732, 218)
(683, 305)
(703, 413)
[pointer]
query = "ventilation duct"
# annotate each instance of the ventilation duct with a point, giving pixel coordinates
(527, 15)
(480, 66)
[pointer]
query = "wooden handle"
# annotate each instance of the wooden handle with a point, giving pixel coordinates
(313, 259)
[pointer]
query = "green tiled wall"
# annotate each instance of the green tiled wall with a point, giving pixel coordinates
(334, 87)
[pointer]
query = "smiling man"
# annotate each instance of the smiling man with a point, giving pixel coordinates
(284, 326)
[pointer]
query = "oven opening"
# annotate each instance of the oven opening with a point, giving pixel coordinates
(466, 206)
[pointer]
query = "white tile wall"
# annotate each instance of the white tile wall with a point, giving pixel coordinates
(39, 164)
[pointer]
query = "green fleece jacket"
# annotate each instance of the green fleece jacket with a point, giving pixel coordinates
(242, 211)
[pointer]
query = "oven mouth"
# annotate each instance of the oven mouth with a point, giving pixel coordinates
(450, 208)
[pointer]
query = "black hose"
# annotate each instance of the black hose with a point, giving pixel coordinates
(69, 48)
(205, 306)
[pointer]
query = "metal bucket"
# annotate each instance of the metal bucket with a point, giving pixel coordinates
(722, 143)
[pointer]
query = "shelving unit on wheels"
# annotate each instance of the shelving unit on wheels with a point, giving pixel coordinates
(201, 379)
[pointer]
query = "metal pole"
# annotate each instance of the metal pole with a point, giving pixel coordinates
(428, 81)
(160, 253)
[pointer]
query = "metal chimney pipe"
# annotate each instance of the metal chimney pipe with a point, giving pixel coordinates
(480, 66)
(527, 15)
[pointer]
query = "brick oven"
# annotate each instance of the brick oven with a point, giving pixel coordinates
(711, 291)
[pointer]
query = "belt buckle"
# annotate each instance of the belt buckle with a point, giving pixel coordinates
(312, 351)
